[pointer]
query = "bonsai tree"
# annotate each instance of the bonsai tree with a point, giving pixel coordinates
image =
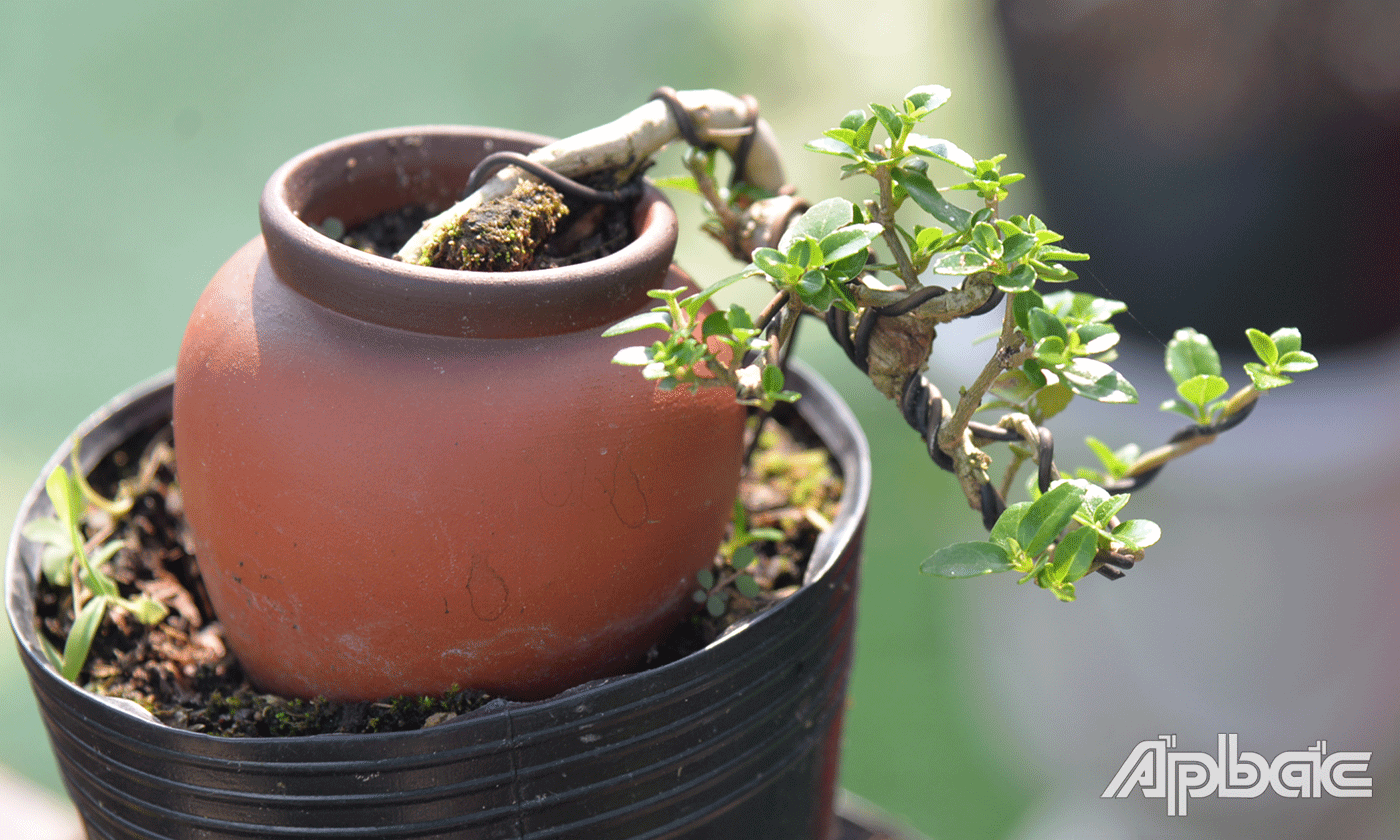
(882, 274)
(867, 270)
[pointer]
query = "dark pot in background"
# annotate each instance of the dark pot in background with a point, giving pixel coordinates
(739, 740)
(1224, 163)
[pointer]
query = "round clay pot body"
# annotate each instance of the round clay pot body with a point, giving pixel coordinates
(402, 479)
(737, 741)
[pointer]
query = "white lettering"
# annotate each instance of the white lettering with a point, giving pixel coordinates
(1160, 771)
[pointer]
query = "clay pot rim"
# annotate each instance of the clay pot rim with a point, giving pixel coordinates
(443, 301)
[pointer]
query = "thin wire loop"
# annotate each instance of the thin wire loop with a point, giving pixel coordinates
(562, 183)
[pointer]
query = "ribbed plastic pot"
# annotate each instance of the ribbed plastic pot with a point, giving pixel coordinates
(739, 740)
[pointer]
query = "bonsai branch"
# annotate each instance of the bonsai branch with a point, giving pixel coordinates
(625, 146)
(1194, 437)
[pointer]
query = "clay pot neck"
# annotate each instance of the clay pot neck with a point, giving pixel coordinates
(359, 177)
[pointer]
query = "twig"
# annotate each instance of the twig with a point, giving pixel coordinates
(625, 145)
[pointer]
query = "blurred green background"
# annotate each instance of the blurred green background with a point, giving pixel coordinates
(1213, 156)
(135, 138)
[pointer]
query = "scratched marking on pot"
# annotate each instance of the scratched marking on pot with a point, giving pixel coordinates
(626, 496)
(487, 590)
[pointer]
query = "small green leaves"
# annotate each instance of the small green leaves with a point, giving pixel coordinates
(689, 354)
(735, 555)
(1116, 462)
(92, 587)
(1279, 355)
(1071, 339)
(1052, 540)
(819, 254)
(1194, 365)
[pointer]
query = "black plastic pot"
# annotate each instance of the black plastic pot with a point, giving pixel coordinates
(739, 740)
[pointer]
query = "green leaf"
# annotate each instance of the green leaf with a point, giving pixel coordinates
(1137, 534)
(1008, 525)
(682, 183)
(968, 559)
(1019, 279)
(1115, 462)
(147, 610)
(706, 578)
(80, 636)
(1021, 308)
(715, 604)
(56, 552)
(1264, 346)
(1044, 323)
(961, 262)
(1048, 516)
(1296, 361)
(695, 301)
(747, 586)
(633, 356)
(1098, 381)
(889, 119)
(820, 221)
(1097, 338)
(853, 119)
(771, 262)
(1108, 508)
(852, 239)
(1287, 339)
(922, 190)
(1016, 246)
(828, 146)
(804, 253)
(865, 133)
(1048, 401)
(642, 321)
(772, 379)
(1202, 389)
(943, 150)
(1264, 379)
(716, 323)
(841, 135)
(1050, 350)
(1183, 408)
(1074, 555)
(928, 97)
(1189, 354)
(67, 501)
(985, 240)
(1054, 253)
(1083, 308)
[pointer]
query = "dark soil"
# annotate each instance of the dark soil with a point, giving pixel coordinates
(184, 674)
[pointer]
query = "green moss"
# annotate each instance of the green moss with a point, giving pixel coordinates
(501, 235)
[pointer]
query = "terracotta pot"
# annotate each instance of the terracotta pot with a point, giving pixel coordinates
(402, 479)
(738, 741)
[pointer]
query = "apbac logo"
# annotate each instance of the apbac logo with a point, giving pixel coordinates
(1163, 772)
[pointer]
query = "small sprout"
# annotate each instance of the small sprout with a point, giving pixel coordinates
(66, 562)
